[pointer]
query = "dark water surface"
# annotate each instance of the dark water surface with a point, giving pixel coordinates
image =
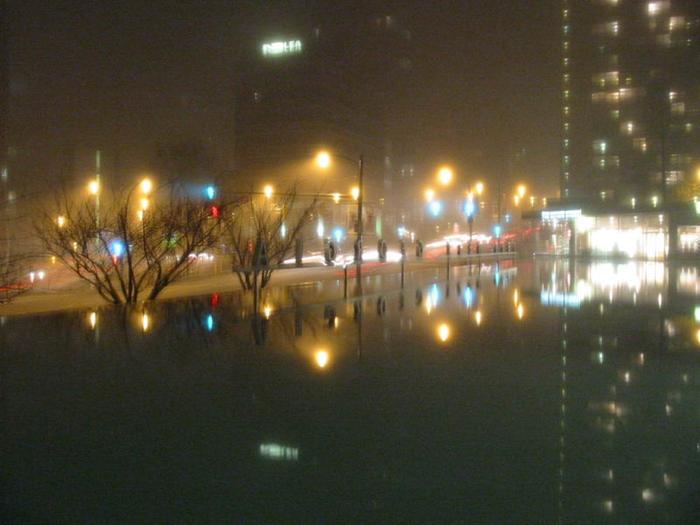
(529, 393)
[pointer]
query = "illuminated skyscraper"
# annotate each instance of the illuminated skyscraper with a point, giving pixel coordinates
(630, 99)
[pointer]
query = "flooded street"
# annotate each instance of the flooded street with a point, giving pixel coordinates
(530, 392)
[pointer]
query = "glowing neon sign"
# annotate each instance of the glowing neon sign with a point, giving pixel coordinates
(290, 47)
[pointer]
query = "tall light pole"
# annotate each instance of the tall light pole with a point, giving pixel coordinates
(97, 193)
(323, 161)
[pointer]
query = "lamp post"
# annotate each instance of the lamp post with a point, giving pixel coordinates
(470, 209)
(323, 160)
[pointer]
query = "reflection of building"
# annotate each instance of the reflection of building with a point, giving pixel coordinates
(627, 437)
(630, 99)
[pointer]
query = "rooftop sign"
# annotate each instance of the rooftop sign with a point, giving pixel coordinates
(290, 47)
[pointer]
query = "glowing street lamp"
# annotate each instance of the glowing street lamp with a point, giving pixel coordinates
(336, 198)
(429, 195)
(146, 186)
(323, 160)
(355, 192)
(145, 202)
(94, 187)
(521, 190)
(61, 221)
(479, 188)
(445, 176)
(267, 191)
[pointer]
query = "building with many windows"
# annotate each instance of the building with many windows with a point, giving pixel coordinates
(630, 99)
(630, 163)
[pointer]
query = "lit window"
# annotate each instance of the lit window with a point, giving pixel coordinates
(678, 108)
(608, 79)
(674, 177)
(600, 146)
(608, 28)
(672, 96)
(628, 127)
(615, 114)
(566, 110)
(675, 23)
(640, 144)
(657, 7)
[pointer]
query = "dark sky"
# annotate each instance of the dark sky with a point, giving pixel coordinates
(126, 74)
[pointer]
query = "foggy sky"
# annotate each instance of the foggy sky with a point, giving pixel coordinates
(124, 75)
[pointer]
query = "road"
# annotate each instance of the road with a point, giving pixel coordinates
(61, 291)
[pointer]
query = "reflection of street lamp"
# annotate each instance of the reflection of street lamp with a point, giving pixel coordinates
(322, 358)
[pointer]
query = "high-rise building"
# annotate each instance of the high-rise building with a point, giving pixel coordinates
(4, 96)
(342, 85)
(630, 100)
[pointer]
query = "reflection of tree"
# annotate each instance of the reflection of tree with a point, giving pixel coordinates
(124, 255)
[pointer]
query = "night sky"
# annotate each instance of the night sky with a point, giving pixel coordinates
(126, 75)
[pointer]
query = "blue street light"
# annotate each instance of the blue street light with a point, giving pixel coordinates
(470, 207)
(210, 192)
(497, 230)
(210, 323)
(116, 248)
(338, 234)
(435, 208)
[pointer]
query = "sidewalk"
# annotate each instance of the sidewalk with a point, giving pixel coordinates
(80, 295)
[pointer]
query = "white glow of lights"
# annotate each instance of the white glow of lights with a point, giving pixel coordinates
(279, 452)
(281, 48)
(560, 215)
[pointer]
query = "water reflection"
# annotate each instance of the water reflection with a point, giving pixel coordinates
(533, 394)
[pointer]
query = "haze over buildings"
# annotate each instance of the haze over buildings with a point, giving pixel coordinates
(86, 76)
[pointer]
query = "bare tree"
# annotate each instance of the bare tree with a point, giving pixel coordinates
(259, 224)
(130, 249)
(15, 257)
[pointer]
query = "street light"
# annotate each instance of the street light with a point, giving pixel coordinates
(61, 221)
(323, 160)
(267, 191)
(522, 190)
(445, 176)
(470, 210)
(94, 187)
(146, 186)
(429, 195)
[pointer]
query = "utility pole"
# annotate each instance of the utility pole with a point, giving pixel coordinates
(359, 214)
